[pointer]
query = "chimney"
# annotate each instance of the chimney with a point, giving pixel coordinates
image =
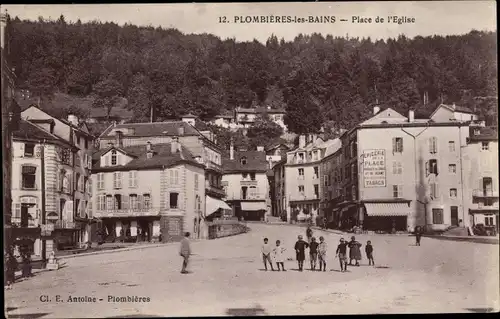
(73, 119)
(260, 148)
(302, 141)
(180, 130)
(174, 145)
(411, 116)
(376, 109)
(119, 138)
(231, 151)
(270, 161)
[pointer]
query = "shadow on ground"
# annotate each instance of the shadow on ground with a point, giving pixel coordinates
(137, 316)
(253, 311)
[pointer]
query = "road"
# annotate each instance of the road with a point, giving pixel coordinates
(228, 279)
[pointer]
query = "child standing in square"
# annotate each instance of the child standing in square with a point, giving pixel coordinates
(279, 255)
(369, 253)
(322, 253)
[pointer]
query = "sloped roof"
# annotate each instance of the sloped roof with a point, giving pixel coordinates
(189, 116)
(256, 162)
(170, 128)
(163, 156)
(485, 134)
(387, 115)
(31, 131)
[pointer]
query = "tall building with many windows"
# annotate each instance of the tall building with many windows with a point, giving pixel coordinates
(149, 192)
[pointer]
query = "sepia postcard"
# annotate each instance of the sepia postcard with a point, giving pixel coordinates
(250, 159)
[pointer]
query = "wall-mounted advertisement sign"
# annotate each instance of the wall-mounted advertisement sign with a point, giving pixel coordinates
(374, 168)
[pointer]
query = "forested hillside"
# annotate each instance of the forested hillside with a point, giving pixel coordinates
(318, 78)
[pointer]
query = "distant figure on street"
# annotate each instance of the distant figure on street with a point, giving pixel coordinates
(354, 251)
(418, 235)
(266, 254)
(309, 234)
(313, 253)
(342, 254)
(185, 252)
(322, 248)
(300, 247)
(369, 253)
(279, 256)
(324, 222)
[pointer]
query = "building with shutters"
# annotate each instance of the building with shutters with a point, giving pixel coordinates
(27, 177)
(246, 184)
(148, 192)
(481, 177)
(75, 182)
(399, 172)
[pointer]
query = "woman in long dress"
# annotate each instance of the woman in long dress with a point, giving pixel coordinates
(300, 247)
(354, 251)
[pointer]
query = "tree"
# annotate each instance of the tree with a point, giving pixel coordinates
(264, 132)
(107, 94)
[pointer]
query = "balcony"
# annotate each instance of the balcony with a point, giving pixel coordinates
(248, 197)
(483, 193)
(304, 197)
(209, 165)
(214, 190)
(131, 212)
(64, 224)
(248, 182)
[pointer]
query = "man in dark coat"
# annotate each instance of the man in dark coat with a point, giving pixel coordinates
(185, 252)
(300, 247)
(418, 235)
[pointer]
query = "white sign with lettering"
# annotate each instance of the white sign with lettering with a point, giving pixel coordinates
(374, 168)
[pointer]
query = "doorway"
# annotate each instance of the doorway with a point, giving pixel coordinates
(454, 216)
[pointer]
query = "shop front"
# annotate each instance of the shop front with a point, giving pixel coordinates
(385, 217)
(130, 229)
(253, 211)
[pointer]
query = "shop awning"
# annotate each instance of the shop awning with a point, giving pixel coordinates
(387, 209)
(213, 204)
(253, 206)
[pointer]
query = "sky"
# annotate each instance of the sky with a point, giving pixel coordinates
(431, 17)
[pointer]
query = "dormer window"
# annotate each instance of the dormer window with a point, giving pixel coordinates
(114, 157)
(243, 161)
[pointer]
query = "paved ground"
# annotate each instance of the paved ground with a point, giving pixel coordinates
(227, 279)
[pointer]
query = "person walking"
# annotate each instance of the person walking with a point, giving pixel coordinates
(342, 254)
(354, 251)
(309, 233)
(266, 254)
(313, 253)
(185, 252)
(418, 235)
(369, 253)
(300, 247)
(322, 248)
(279, 255)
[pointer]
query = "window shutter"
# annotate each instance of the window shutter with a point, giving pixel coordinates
(139, 202)
(167, 200)
(180, 201)
(125, 202)
(106, 160)
(427, 168)
(130, 179)
(17, 210)
(435, 146)
(394, 167)
(436, 192)
(119, 179)
(393, 145)
(136, 180)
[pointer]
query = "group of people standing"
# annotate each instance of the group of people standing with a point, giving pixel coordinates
(317, 252)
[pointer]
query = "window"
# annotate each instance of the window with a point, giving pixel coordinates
(316, 172)
(485, 146)
(244, 192)
(196, 182)
(397, 191)
(325, 180)
(113, 157)
(301, 173)
(28, 177)
(117, 179)
(434, 187)
(397, 145)
(451, 146)
(252, 192)
(77, 182)
(301, 158)
(316, 190)
(147, 201)
(100, 181)
(133, 202)
(301, 189)
(355, 192)
(174, 177)
(452, 168)
(488, 221)
(77, 207)
(252, 176)
(86, 144)
(353, 171)
(109, 202)
(101, 202)
(453, 193)
(132, 179)
(397, 168)
(432, 167)
(437, 216)
(149, 155)
(346, 172)
(433, 145)
(174, 197)
(29, 150)
(243, 161)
